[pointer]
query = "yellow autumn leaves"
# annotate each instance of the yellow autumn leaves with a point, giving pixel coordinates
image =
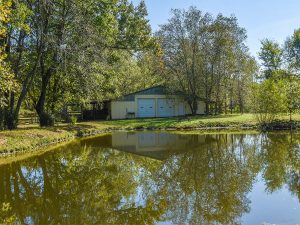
(7, 82)
(5, 10)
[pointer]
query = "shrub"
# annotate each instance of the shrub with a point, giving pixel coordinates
(46, 120)
(73, 120)
(269, 100)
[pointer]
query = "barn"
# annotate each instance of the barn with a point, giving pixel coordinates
(150, 103)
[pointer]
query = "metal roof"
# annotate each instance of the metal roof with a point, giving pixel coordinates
(157, 90)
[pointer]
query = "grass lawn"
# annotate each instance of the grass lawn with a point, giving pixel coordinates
(31, 137)
(190, 122)
(219, 121)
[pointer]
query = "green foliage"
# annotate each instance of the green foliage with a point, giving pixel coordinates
(120, 74)
(271, 55)
(73, 120)
(75, 52)
(269, 100)
(5, 12)
(46, 120)
(86, 50)
(292, 48)
(206, 57)
(292, 92)
(282, 66)
(7, 82)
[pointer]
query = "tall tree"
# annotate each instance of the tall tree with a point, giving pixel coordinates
(271, 56)
(281, 68)
(182, 38)
(202, 55)
(107, 27)
(292, 49)
(7, 82)
(58, 48)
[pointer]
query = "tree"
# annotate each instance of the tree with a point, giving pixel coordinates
(281, 66)
(58, 48)
(21, 69)
(269, 100)
(7, 82)
(292, 50)
(292, 92)
(243, 83)
(181, 39)
(202, 55)
(292, 59)
(271, 56)
(116, 25)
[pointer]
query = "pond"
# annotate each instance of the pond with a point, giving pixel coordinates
(158, 178)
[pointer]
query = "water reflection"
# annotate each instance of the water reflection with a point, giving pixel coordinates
(171, 178)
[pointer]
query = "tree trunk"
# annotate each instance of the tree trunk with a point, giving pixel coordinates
(207, 108)
(45, 118)
(11, 119)
(195, 107)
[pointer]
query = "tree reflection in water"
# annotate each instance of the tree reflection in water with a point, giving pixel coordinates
(202, 179)
(281, 161)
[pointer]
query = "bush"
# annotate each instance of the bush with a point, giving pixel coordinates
(269, 100)
(73, 120)
(46, 120)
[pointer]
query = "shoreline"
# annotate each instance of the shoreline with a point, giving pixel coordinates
(33, 139)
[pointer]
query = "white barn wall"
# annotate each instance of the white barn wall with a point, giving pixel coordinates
(119, 109)
(200, 110)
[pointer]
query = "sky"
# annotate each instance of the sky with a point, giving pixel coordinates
(273, 19)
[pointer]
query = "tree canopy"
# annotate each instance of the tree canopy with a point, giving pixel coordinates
(63, 52)
(206, 57)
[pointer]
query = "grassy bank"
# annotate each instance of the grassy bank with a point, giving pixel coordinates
(30, 138)
(220, 121)
(232, 121)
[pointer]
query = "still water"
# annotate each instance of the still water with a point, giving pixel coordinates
(158, 178)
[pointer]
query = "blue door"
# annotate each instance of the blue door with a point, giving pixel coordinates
(146, 107)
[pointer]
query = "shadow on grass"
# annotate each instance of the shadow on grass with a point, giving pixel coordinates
(59, 127)
(154, 122)
(131, 123)
(225, 116)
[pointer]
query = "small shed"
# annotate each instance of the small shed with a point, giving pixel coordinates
(150, 103)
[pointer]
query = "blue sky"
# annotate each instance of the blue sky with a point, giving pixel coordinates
(274, 19)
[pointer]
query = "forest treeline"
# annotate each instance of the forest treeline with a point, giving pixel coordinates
(60, 52)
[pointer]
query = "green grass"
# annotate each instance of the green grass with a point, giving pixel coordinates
(23, 139)
(219, 121)
(31, 137)
(189, 122)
